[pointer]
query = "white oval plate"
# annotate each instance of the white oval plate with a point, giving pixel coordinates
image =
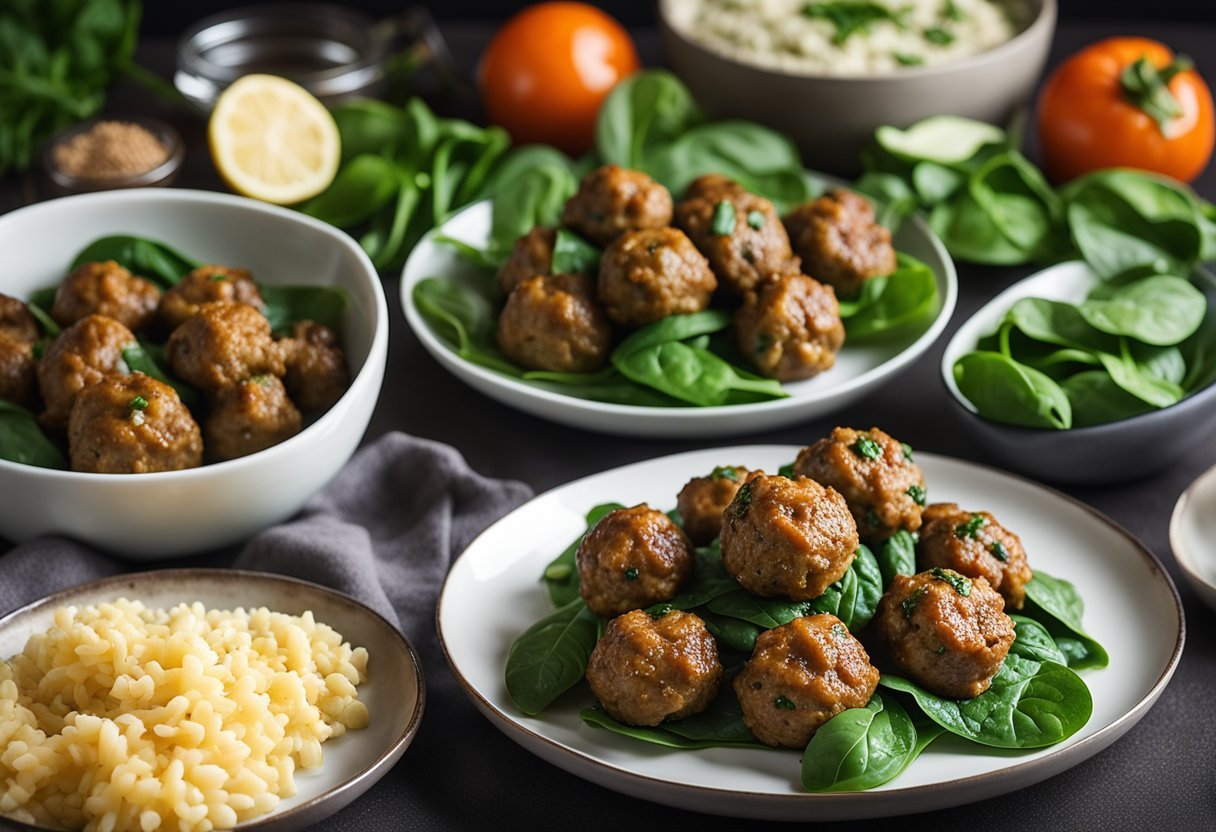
(1193, 535)
(859, 369)
(394, 692)
(496, 583)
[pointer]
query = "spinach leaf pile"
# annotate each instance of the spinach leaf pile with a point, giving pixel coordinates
(649, 122)
(1140, 341)
(1035, 700)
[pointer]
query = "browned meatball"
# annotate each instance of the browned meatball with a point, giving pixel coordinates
(787, 537)
(703, 499)
(316, 367)
(945, 630)
(840, 242)
(207, 284)
(884, 488)
(532, 255)
(790, 328)
(132, 424)
(646, 670)
(82, 355)
(553, 322)
(250, 417)
(650, 274)
(633, 557)
(801, 675)
(612, 199)
(18, 368)
(738, 231)
(976, 545)
(106, 289)
(222, 345)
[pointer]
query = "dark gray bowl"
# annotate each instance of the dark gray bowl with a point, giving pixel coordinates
(1115, 452)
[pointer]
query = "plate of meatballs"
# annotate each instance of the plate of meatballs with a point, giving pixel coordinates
(704, 313)
(851, 629)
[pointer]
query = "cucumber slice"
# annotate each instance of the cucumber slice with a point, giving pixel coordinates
(946, 140)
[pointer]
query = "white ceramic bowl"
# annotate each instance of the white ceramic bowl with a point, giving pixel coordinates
(1193, 535)
(860, 368)
(156, 516)
(831, 117)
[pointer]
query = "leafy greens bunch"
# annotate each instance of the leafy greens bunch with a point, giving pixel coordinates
(1140, 340)
(650, 122)
(1035, 700)
(21, 438)
(57, 57)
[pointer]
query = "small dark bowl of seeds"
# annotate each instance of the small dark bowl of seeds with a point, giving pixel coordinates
(112, 152)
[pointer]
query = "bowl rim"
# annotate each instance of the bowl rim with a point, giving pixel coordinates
(1199, 398)
(1040, 26)
(1183, 553)
(368, 375)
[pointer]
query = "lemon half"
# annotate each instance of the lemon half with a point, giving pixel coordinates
(272, 140)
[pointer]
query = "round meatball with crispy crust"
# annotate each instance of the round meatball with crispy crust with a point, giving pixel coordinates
(840, 242)
(739, 233)
(790, 328)
(875, 473)
(553, 322)
(132, 424)
(646, 670)
(18, 368)
(83, 354)
(948, 632)
(702, 501)
(248, 417)
(650, 274)
(223, 344)
(317, 375)
(787, 537)
(532, 255)
(801, 675)
(976, 545)
(632, 558)
(108, 289)
(611, 200)
(207, 284)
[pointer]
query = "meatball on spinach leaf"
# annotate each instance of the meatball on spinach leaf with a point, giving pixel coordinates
(550, 657)
(21, 440)
(466, 319)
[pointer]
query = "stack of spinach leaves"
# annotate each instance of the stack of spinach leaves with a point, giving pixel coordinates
(1141, 339)
(1036, 699)
(21, 438)
(650, 123)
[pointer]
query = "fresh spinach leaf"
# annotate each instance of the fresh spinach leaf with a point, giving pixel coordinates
(970, 234)
(465, 319)
(1096, 399)
(672, 328)
(362, 187)
(146, 258)
(529, 188)
(765, 613)
(896, 557)
(1162, 310)
(644, 111)
(890, 303)
(854, 598)
(21, 440)
(731, 632)
(550, 657)
(288, 305)
(717, 727)
(1126, 373)
(693, 375)
(561, 575)
(1056, 604)
(861, 748)
(1034, 642)
(571, 253)
(140, 358)
(1005, 391)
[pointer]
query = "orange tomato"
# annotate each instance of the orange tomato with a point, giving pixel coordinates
(547, 69)
(1101, 109)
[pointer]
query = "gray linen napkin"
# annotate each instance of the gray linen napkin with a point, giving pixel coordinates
(385, 531)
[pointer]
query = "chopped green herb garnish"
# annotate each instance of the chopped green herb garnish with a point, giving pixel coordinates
(907, 451)
(784, 704)
(653, 246)
(723, 222)
(952, 11)
(724, 472)
(959, 583)
(998, 551)
(138, 403)
(866, 448)
(839, 630)
(755, 219)
(904, 59)
(659, 610)
(216, 277)
(917, 494)
(872, 520)
(941, 649)
(971, 528)
(558, 571)
(631, 574)
(786, 471)
(909, 603)
(938, 35)
(850, 17)
(743, 499)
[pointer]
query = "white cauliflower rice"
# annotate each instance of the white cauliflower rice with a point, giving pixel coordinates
(843, 37)
(127, 718)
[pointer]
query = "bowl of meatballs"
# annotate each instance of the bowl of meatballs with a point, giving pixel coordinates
(745, 613)
(178, 369)
(700, 313)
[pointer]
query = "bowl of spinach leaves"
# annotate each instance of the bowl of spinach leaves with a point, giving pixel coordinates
(304, 268)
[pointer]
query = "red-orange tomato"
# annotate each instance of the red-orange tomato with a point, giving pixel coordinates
(547, 69)
(1087, 121)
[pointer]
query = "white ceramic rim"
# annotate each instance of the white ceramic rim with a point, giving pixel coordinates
(1182, 552)
(1053, 762)
(685, 415)
(364, 378)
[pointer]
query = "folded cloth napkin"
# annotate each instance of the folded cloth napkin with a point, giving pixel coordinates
(384, 531)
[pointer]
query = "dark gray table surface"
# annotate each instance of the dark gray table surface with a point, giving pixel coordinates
(461, 773)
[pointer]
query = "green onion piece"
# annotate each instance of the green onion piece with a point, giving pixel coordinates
(866, 448)
(723, 222)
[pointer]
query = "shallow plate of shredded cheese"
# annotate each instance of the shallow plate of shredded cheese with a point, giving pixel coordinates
(198, 699)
